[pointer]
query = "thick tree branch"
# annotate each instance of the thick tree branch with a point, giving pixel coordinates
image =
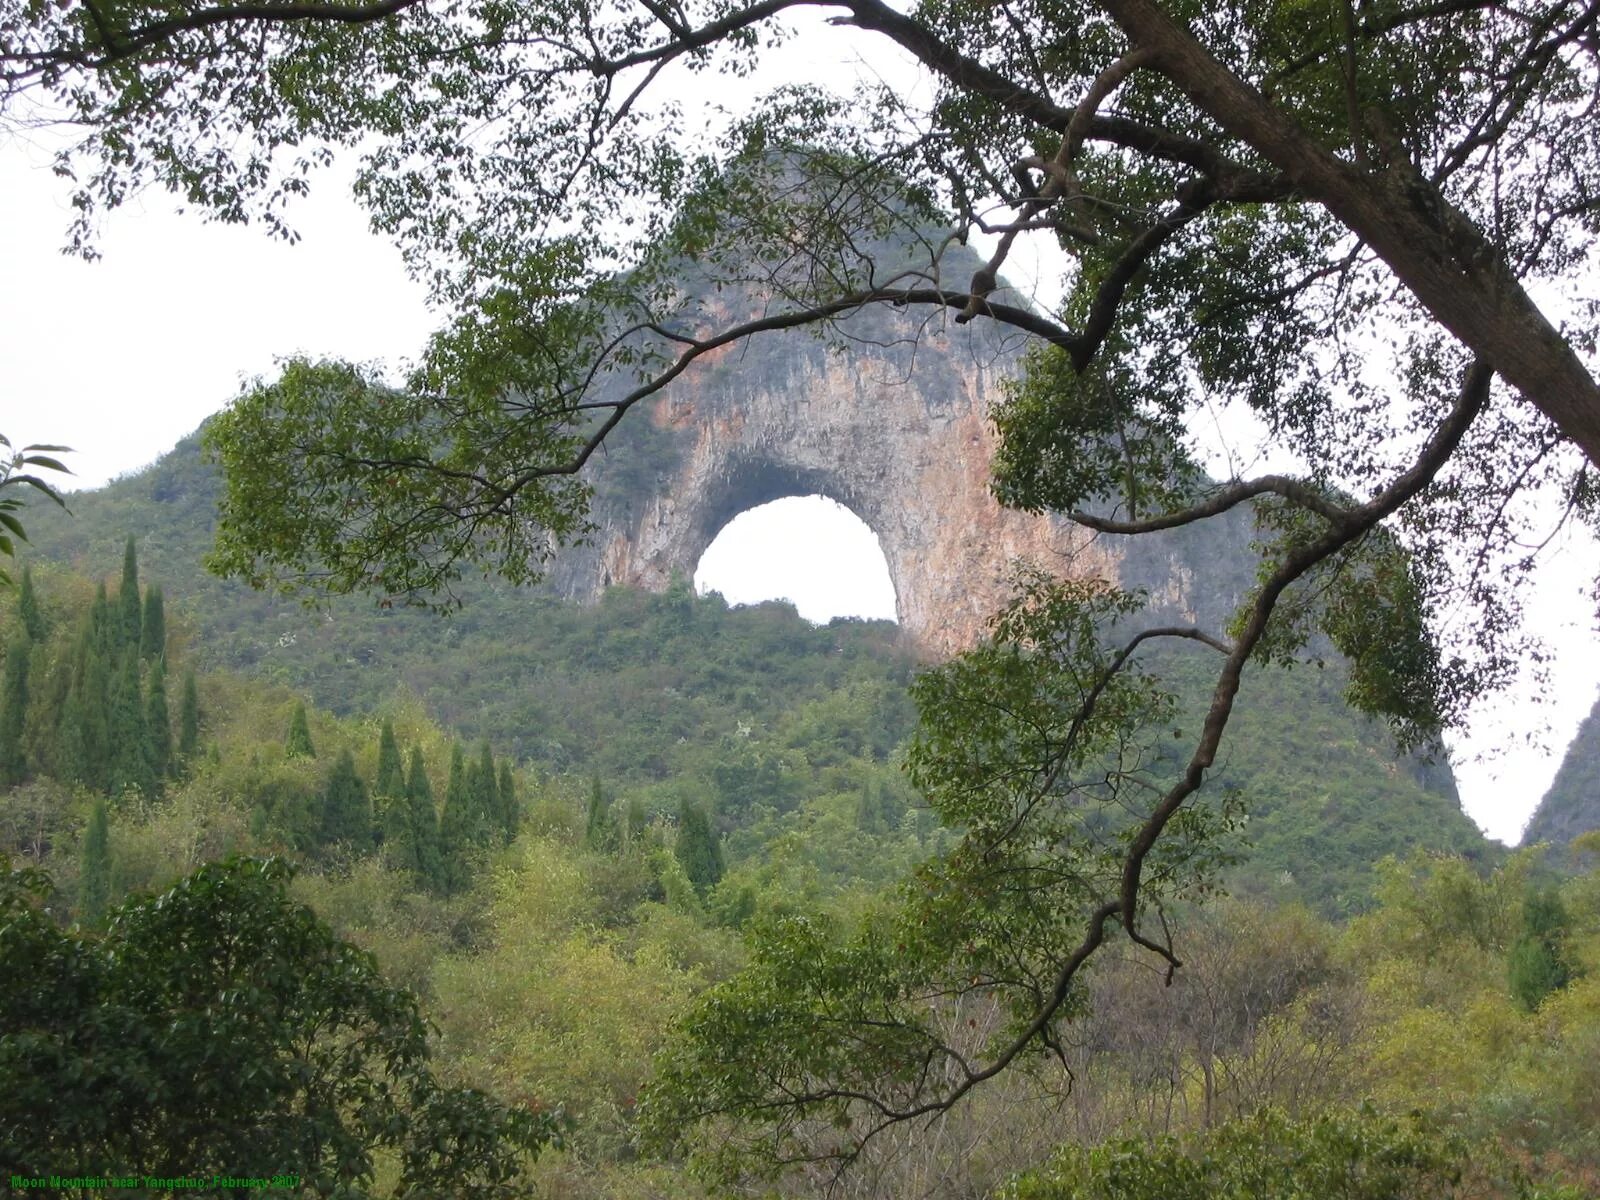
(1356, 523)
(1291, 489)
(120, 46)
(1431, 246)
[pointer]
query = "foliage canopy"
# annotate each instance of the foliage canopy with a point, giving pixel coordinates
(222, 1028)
(1333, 218)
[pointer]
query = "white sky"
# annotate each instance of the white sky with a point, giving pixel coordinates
(122, 357)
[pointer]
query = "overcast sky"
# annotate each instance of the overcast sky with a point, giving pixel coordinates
(122, 357)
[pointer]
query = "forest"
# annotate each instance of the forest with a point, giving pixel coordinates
(345, 855)
(575, 938)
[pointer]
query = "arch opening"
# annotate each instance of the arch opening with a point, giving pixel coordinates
(809, 550)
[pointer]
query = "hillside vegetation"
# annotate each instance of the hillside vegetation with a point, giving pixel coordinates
(564, 920)
(752, 710)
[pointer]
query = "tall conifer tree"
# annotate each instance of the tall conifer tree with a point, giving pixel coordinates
(129, 752)
(101, 622)
(85, 746)
(189, 718)
(298, 742)
(48, 702)
(455, 823)
(28, 609)
(485, 793)
(14, 710)
(510, 811)
(600, 829)
(158, 722)
(153, 629)
(391, 780)
(697, 847)
(130, 612)
(389, 786)
(418, 834)
(346, 814)
(94, 878)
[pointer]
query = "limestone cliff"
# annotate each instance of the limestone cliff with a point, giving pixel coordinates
(1572, 805)
(891, 420)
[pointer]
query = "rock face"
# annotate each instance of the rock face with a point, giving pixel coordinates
(1572, 805)
(892, 422)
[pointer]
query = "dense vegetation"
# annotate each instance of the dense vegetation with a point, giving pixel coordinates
(767, 720)
(1345, 226)
(575, 918)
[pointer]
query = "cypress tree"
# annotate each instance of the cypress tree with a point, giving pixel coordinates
(638, 820)
(94, 879)
(455, 827)
(389, 787)
(100, 621)
(510, 812)
(484, 789)
(153, 631)
(1538, 964)
(346, 815)
(391, 780)
(697, 847)
(600, 830)
(14, 713)
(417, 836)
(189, 718)
(298, 743)
(84, 747)
(44, 736)
(129, 752)
(129, 610)
(28, 608)
(158, 722)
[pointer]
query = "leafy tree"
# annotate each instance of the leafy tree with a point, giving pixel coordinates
(153, 631)
(14, 474)
(298, 742)
(189, 718)
(698, 848)
(158, 719)
(94, 879)
(222, 1028)
(346, 813)
(130, 611)
(1035, 746)
(14, 709)
(1539, 962)
(1357, 1155)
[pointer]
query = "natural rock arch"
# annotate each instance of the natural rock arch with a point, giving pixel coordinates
(892, 422)
(834, 566)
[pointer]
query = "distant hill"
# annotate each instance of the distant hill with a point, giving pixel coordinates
(650, 692)
(1572, 805)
